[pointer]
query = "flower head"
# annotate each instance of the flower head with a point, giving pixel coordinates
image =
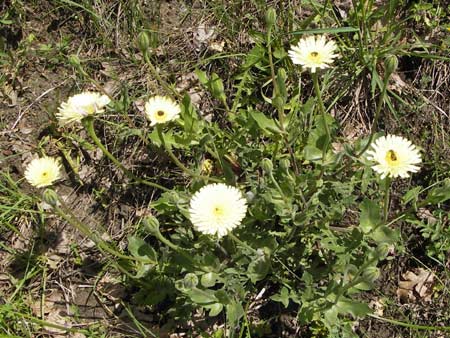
(42, 172)
(394, 156)
(313, 53)
(217, 208)
(161, 109)
(81, 105)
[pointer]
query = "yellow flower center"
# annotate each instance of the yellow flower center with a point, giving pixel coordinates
(314, 57)
(391, 157)
(160, 116)
(218, 211)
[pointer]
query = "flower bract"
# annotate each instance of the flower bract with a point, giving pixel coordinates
(217, 208)
(394, 156)
(42, 172)
(313, 53)
(81, 105)
(161, 109)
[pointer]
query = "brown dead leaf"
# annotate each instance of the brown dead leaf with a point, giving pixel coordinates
(426, 215)
(416, 285)
(378, 306)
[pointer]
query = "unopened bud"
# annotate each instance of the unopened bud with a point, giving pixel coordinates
(143, 41)
(151, 224)
(267, 165)
(190, 280)
(50, 197)
(281, 81)
(271, 17)
(74, 60)
(390, 64)
(285, 164)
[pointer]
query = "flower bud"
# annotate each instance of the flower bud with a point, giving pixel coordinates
(281, 81)
(267, 165)
(74, 60)
(390, 64)
(190, 280)
(50, 197)
(285, 164)
(143, 41)
(151, 224)
(271, 17)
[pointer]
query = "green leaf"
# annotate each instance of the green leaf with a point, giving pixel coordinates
(370, 216)
(282, 297)
(199, 296)
(209, 279)
(235, 311)
(254, 56)
(312, 153)
(356, 309)
(139, 248)
(439, 194)
(214, 309)
(384, 234)
(412, 195)
(168, 138)
(202, 77)
(222, 296)
(258, 269)
(265, 123)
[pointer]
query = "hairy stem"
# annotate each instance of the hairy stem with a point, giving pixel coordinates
(88, 123)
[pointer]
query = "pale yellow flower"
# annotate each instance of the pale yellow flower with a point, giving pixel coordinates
(313, 53)
(42, 172)
(394, 156)
(81, 105)
(161, 109)
(217, 208)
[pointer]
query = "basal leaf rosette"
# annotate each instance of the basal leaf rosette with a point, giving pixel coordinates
(161, 109)
(81, 105)
(394, 156)
(312, 53)
(43, 172)
(217, 208)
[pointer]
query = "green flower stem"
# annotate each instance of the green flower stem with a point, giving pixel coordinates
(412, 326)
(279, 108)
(64, 212)
(387, 197)
(376, 117)
(178, 163)
(45, 323)
(88, 123)
(176, 248)
(323, 112)
(155, 73)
